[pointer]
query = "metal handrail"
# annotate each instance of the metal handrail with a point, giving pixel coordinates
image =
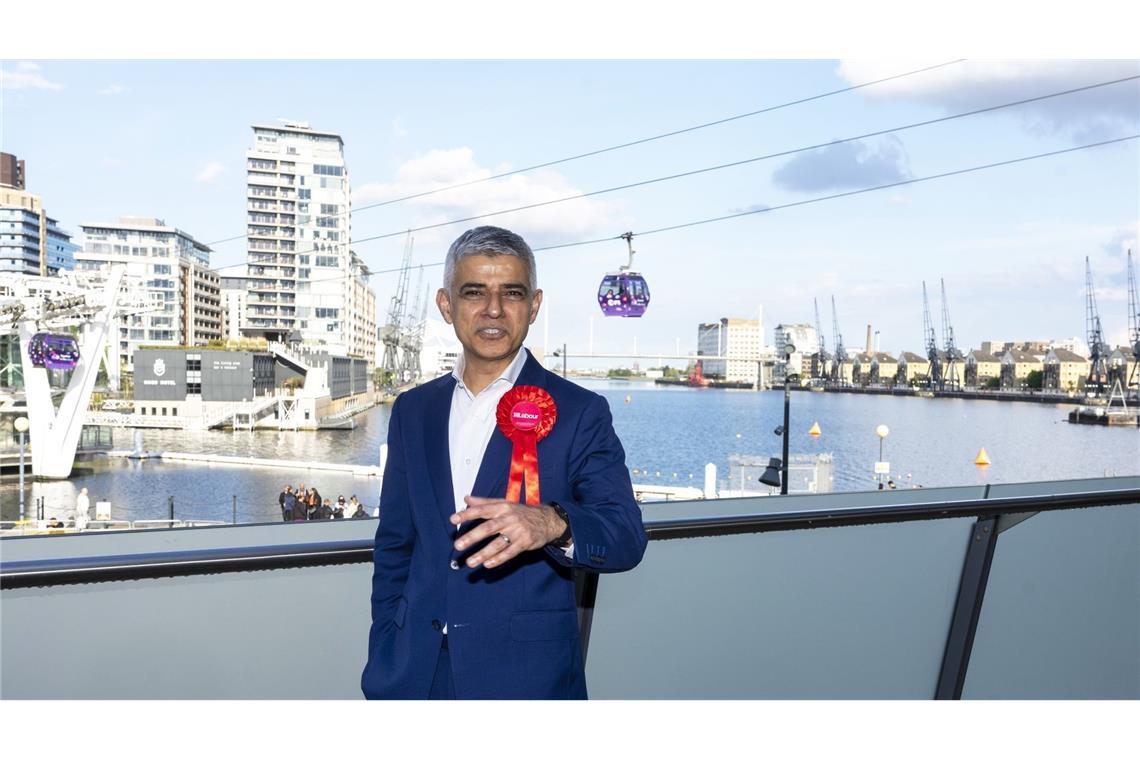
(52, 572)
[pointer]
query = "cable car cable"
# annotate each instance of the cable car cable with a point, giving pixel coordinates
(704, 170)
(808, 201)
(755, 159)
(632, 143)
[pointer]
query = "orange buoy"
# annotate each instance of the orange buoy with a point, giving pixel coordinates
(983, 458)
(815, 432)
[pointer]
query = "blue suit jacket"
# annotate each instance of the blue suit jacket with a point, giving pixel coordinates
(513, 629)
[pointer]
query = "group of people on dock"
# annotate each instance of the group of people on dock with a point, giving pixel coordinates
(300, 504)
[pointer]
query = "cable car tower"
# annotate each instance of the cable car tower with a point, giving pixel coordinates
(821, 356)
(953, 355)
(1133, 325)
(43, 312)
(1098, 348)
(837, 375)
(934, 377)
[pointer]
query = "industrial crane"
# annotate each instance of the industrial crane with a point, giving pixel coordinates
(411, 335)
(1133, 325)
(934, 378)
(837, 376)
(821, 356)
(1098, 348)
(390, 332)
(953, 355)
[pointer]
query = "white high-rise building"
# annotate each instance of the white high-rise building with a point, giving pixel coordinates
(740, 340)
(173, 267)
(300, 269)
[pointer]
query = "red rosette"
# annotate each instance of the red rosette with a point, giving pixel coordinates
(525, 415)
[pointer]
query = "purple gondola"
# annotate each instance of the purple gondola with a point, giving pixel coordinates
(36, 349)
(61, 352)
(624, 293)
(53, 351)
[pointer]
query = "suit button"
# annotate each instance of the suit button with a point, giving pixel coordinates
(454, 564)
(435, 624)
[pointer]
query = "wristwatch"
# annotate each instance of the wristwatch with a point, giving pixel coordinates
(564, 540)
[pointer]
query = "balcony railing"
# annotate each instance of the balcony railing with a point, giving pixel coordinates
(1011, 591)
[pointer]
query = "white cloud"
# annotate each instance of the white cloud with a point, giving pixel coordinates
(969, 85)
(557, 223)
(210, 172)
(26, 77)
(398, 130)
(114, 89)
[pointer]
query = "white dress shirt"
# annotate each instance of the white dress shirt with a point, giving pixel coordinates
(471, 423)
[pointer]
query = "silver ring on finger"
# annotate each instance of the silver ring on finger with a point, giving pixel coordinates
(505, 538)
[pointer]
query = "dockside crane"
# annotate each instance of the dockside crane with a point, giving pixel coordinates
(411, 334)
(1098, 348)
(390, 332)
(837, 375)
(821, 356)
(1133, 325)
(934, 378)
(953, 355)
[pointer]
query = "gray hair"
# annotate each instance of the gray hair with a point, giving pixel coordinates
(488, 241)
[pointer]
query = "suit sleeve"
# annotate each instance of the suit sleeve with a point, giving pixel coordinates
(605, 519)
(395, 535)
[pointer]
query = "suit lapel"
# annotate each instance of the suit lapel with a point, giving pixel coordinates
(491, 481)
(438, 451)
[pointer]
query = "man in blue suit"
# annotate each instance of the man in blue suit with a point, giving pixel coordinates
(472, 594)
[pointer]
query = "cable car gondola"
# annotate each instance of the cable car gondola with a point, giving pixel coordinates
(53, 351)
(624, 293)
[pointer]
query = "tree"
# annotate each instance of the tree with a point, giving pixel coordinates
(1034, 379)
(991, 384)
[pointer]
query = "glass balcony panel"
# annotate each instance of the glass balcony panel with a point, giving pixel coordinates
(837, 613)
(1061, 618)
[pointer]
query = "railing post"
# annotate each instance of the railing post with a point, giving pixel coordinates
(170, 503)
(235, 509)
(967, 608)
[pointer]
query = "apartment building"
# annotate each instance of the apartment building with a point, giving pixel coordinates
(173, 267)
(739, 340)
(302, 275)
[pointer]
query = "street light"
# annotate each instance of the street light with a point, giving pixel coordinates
(882, 431)
(789, 349)
(21, 425)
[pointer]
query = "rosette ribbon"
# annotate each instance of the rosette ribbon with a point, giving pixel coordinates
(525, 415)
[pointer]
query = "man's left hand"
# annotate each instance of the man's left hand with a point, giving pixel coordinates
(519, 528)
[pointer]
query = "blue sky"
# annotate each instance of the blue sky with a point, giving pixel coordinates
(104, 138)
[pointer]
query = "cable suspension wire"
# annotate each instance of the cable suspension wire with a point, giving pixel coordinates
(755, 159)
(808, 201)
(632, 143)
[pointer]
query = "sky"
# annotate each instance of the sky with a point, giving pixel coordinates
(167, 139)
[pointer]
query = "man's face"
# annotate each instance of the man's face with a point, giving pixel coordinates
(490, 305)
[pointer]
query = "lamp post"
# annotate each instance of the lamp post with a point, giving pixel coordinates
(882, 431)
(21, 425)
(789, 349)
